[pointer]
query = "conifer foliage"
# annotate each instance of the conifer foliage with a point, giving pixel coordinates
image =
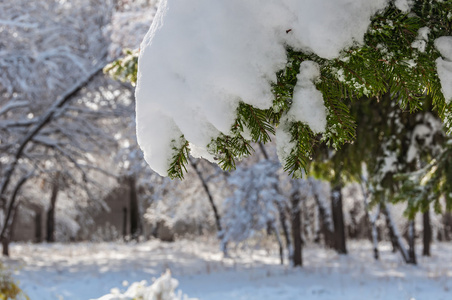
(398, 57)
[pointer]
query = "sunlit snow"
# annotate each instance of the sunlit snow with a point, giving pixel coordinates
(88, 271)
(201, 58)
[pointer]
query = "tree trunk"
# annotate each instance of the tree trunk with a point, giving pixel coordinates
(295, 218)
(285, 228)
(38, 226)
(317, 229)
(5, 235)
(447, 225)
(51, 212)
(296, 236)
(124, 224)
(427, 235)
(411, 243)
(5, 243)
(373, 233)
(5, 246)
(9, 234)
(213, 206)
(326, 220)
(395, 238)
(209, 195)
(134, 210)
(394, 235)
(338, 219)
(280, 244)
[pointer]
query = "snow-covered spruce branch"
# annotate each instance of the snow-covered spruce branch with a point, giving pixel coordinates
(302, 85)
(371, 217)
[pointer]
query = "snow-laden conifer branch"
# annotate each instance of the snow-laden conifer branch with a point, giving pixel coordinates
(179, 161)
(390, 49)
(255, 121)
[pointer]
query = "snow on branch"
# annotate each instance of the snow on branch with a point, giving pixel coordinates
(196, 65)
(296, 62)
(12, 105)
(19, 24)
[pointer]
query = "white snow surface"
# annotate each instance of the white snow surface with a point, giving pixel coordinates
(88, 271)
(200, 58)
(444, 65)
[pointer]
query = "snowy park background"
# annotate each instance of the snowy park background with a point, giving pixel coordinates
(84, 140)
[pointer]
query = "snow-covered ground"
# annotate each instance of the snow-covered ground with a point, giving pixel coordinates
(87, 270)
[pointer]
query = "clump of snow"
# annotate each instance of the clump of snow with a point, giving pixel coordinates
(444, 46)
(423, 33)
(419, 45)
(404, 5)
(201, 152)
(162, 289)
(422, 38)
(444, 65)
(308, 106)
(201, 58)
(326, 27)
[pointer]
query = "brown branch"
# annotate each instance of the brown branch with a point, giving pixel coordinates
(6, 223)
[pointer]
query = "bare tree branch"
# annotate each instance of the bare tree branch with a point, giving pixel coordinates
(44, 120)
